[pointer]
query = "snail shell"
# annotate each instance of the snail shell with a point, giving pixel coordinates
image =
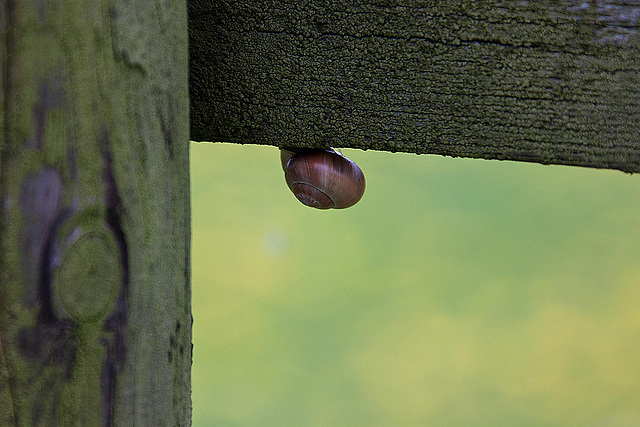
(322, 178)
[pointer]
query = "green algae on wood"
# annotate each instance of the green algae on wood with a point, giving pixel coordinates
(94, 220)
(527, 81)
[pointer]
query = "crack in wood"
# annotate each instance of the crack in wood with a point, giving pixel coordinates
(473, 80)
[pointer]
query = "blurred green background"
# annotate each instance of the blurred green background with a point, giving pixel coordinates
(458, 292)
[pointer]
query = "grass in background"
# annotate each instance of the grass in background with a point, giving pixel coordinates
(457, 292)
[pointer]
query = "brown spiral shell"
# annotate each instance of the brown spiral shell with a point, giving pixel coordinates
(322, 178)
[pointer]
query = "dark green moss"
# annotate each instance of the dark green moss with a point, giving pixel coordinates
(528, 82)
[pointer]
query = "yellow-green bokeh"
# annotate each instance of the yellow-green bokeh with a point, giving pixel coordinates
(457, 292)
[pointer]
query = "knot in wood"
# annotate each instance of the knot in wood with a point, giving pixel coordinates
(87, 279)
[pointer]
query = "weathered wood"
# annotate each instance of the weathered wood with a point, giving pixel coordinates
(548, 82)
(95, 319)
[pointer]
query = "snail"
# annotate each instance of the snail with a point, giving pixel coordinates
(322, 178)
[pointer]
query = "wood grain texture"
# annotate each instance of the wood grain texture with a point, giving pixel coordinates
(95, 318)
(548, 82)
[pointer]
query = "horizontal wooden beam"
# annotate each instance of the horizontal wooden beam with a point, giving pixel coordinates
(548, 82)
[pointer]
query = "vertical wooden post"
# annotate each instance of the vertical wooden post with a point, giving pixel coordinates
(95, 319)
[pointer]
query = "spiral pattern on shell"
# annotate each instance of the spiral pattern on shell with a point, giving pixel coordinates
(322, 178)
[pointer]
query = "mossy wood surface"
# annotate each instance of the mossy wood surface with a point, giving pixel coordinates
(95, 320)
(549, 82)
